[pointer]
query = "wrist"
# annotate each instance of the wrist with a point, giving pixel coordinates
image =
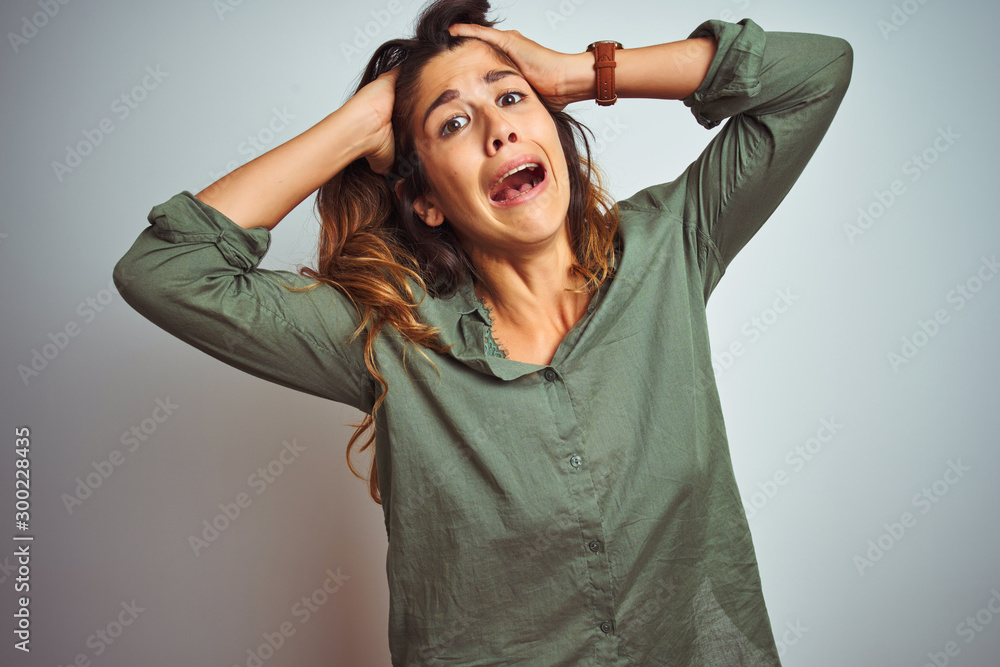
(361, 124)
(580, 79)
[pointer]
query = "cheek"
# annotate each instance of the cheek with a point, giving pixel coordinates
(559, 164)
(557, 157)
(456, 180)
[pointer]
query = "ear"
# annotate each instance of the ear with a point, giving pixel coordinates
(428, 211)
(424, 207)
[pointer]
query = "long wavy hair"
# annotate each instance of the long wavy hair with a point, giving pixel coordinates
(372, 243)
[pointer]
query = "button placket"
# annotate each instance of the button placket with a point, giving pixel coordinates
(581, 494)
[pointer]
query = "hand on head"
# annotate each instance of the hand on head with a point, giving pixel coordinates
(545, 69)
(379, 96)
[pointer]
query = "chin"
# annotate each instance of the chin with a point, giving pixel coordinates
(539, 229)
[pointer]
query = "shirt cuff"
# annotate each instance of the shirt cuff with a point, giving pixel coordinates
(735, 69)
(186, 219)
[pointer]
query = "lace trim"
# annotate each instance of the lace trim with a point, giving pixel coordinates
(490, 346)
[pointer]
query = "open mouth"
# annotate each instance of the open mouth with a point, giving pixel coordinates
(517, 183)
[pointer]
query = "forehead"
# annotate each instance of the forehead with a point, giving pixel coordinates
(469, 57)
(460, 70)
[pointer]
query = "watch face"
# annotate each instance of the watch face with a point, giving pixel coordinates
(605, 41)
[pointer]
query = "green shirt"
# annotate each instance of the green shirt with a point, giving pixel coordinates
(579, 513)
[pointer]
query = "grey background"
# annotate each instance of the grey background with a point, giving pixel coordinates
(825, 357)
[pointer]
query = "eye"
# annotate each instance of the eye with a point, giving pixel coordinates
(511, 93)
(452, 125)
(456, 123)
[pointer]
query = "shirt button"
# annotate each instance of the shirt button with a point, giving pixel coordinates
(550, 375)
(606, 627)
(575, 461)
(595, 546)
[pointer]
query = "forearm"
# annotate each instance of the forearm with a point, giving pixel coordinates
(670, 71)
(263, 191)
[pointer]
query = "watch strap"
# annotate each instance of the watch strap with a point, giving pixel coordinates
(604, 65)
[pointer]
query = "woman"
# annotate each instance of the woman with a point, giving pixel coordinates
(533, 358)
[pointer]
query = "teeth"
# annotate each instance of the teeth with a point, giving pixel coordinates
(517, 169)
(535, 181)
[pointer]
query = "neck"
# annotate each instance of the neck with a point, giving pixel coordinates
(532, 296)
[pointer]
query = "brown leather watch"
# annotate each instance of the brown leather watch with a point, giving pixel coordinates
(604, 65)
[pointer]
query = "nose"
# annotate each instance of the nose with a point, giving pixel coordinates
(498, 143)
(499, 131)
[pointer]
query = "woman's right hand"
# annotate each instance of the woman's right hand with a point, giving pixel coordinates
(375, 100)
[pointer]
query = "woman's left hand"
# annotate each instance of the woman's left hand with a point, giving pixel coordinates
(546, 70)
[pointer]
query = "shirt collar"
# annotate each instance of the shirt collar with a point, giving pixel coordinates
(462, 319)
(463, 322)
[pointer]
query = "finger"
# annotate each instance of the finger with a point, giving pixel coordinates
(463, 29)
(380, 164)
(496, 37)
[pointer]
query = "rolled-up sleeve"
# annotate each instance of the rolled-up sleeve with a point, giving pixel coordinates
(779, 91)
(195, 273)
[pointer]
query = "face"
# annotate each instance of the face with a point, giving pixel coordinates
(468, 141)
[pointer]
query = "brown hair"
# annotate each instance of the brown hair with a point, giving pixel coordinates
(372, 242)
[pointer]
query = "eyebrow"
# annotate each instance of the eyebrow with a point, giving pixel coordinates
(492, 76)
